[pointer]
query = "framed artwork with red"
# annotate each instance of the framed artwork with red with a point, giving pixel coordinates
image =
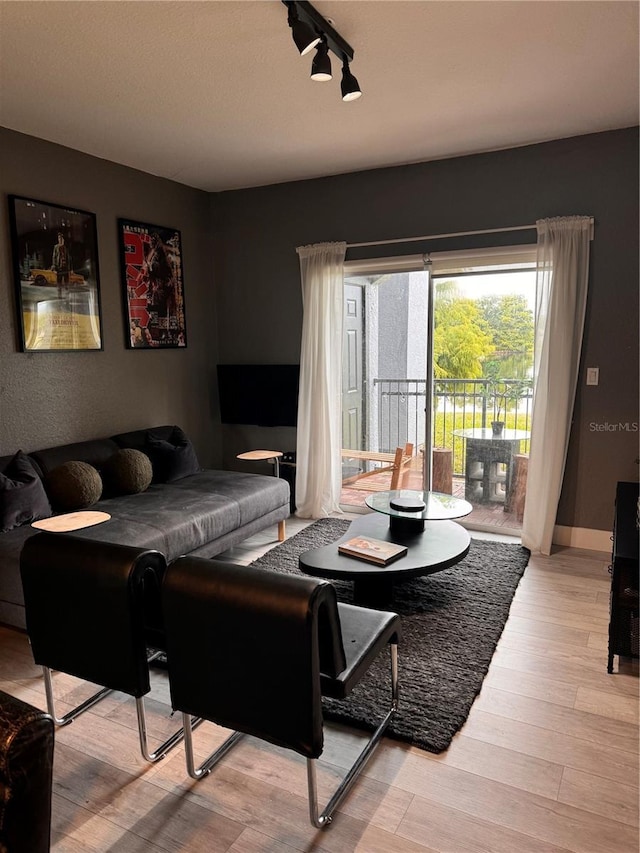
(152, 274)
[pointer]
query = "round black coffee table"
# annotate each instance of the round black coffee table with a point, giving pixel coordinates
(439, 545)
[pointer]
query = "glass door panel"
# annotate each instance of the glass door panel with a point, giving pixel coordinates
(483, 321)
(475, 368)
(384, 382)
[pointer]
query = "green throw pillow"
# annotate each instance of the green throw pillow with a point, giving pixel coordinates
(127, 472)
(73, 485)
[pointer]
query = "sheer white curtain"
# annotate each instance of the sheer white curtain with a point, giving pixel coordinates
(561, 297)
(318, 468)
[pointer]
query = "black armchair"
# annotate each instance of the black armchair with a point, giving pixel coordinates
(91, 608)
(255, 651)
(26, 764)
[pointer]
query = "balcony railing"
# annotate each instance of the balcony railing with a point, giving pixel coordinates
(458, 404)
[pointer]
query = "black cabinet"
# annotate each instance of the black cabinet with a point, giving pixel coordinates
(623, 613)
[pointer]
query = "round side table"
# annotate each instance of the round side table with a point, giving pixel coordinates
(407, 522)
(266, 455)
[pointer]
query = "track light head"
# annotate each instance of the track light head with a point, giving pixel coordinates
(321, 65)
(309, 30)
(349, 85)
(303, 36)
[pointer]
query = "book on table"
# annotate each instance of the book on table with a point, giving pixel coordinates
(372, 550)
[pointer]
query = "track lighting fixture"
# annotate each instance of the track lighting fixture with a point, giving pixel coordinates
(321, 65)
(304, 37)
(311, 30)
(349, 85)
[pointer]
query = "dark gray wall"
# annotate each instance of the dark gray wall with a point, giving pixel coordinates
(54, 398)
(258, 282)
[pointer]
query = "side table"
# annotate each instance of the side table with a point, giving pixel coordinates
(263, 455)
(267, 456)
(406, 522)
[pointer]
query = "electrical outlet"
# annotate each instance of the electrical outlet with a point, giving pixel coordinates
(593, 375)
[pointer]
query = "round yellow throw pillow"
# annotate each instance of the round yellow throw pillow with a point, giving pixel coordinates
(73, 485)
(127, 472)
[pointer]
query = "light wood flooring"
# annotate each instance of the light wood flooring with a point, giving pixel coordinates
(547, 761)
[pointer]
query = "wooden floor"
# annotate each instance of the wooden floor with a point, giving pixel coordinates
(547, 761)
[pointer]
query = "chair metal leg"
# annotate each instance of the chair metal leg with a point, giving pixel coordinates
(169, 743)
(216, 755)
(324, 819)
(71, 715)
(318, 820)
(159, 753)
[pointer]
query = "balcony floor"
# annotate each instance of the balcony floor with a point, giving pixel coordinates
(484, 516)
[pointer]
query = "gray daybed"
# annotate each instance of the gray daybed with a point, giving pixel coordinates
(203, 513)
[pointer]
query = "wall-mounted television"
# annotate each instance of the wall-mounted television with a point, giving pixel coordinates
(260, 394)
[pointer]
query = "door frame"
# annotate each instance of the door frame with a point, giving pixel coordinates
(438, 264)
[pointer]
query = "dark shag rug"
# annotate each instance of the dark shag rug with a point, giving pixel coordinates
(451, 623)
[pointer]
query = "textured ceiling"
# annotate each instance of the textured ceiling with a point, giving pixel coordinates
(214, 94)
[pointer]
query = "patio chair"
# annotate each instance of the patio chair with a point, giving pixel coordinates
(398, 468)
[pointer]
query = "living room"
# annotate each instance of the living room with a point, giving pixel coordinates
(243, 305)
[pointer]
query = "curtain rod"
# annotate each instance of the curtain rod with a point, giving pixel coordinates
(452, 234)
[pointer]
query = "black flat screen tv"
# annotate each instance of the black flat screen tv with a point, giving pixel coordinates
(260, 394)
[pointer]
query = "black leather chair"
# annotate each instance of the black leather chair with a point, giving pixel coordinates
(26, 763)
(91, 609)
(255, 651)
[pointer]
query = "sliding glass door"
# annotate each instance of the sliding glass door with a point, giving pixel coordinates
(438, 361)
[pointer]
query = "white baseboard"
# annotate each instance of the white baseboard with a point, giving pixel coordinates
(582, 537)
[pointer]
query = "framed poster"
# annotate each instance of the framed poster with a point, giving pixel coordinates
(151, 260)
(55, 257)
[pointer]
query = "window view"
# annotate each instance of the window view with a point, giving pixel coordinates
(464, 426)
(483, 337)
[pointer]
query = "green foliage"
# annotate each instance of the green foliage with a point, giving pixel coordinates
(470, 334)
(503, 393)
(510, 323)
(460, 342)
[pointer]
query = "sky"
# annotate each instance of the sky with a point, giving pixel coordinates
(503, 284)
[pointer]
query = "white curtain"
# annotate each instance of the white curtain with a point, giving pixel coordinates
(318, 458)
(561, 297)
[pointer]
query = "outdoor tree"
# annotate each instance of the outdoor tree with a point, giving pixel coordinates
(460, 338)
(509, 321)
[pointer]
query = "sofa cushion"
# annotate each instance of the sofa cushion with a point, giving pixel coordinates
(73, 485)
(180, 517)
(95, 452)
(127, 472)
(137, 438)
(172, 454)
(22, 495)
(171, 459)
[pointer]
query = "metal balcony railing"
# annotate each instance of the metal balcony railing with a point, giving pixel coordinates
(458, 404)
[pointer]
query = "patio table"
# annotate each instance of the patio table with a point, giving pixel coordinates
(484, 453)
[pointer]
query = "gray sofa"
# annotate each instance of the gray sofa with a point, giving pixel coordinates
(202, 514)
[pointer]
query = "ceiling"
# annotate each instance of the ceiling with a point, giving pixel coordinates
(215, 95)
